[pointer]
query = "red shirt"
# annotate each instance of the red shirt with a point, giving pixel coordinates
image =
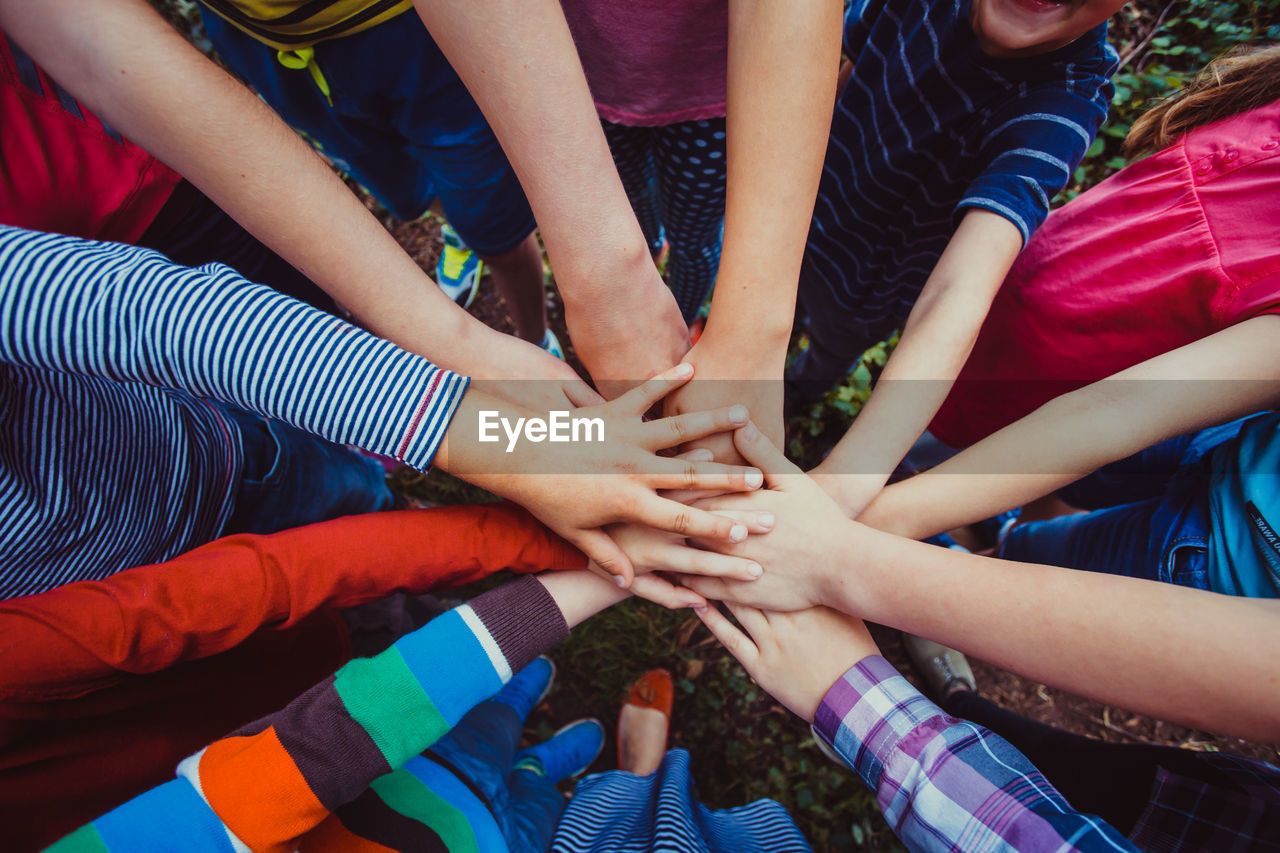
(1168, 251)
(64, 171)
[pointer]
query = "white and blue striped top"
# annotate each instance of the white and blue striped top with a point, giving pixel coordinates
(110, 455)
(928, 127)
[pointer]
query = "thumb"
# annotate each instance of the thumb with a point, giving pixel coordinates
(757, 449)
(605, 553)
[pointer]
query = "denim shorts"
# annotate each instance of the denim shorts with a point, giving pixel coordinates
(292, 478)
(401, 123)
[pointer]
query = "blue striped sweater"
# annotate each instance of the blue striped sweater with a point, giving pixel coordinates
(928, 127)
(110, 453)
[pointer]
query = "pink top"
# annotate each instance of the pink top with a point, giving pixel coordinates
(653, 62)
(1169, 250)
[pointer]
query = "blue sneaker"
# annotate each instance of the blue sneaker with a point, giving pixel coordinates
(528, 687)
(567, 754)
(459, 268)
(551, 344)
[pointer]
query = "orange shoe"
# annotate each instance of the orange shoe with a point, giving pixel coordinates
(655, 690)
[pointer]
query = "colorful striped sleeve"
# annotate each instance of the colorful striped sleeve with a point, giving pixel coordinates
(946, 784)
(131, 315)
(268, 784)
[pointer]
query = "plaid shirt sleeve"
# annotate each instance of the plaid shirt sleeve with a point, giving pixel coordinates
(944, 783)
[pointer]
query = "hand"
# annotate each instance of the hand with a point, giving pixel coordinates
(652, 551)
(636, 332)
(577, 488)
(797, 656)
(851, 492)
(808, 529)
(753, 380)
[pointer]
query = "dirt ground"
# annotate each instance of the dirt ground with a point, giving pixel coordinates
(1037, 701)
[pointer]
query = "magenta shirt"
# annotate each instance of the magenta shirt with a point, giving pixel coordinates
(653, 62)
(1165, 252)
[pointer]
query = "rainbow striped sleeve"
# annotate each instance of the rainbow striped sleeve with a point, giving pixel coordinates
(266, 785)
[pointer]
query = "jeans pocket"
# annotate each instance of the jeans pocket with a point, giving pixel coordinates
(264, 443)
(1187, 563)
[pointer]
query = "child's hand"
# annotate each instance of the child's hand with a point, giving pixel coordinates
(576, 488)
(808, 529)
(797, 656)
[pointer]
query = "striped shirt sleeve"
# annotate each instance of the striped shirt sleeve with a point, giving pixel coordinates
(265, 786)
(1035, 143)
(131, 315)
(946, 784)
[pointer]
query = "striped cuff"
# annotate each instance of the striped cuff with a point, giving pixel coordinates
(867, 712)
(522, 618)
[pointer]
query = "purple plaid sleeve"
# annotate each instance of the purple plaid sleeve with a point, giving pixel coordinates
(943, 783)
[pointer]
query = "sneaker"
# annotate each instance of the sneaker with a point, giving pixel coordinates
(568, 753)
(528, 687)
(459, 268)
(551, 344)
(944, 670)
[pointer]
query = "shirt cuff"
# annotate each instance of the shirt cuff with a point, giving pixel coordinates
(426, 428)
(867, 712)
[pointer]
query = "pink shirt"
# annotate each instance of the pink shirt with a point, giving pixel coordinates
(653, 62)
(1169, 250)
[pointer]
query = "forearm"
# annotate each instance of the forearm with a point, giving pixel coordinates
(1159, 649)
(1214, 380)
(936, 340)
(783, 60)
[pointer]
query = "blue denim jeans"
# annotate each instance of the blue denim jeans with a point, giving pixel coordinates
(482, 747)
(1150, 515)
(292, 478)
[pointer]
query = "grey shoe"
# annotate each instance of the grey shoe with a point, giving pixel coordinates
(943, 669)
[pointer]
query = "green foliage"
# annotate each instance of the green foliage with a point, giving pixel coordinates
(1161, 47)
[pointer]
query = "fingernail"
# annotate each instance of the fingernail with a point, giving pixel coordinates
(620, 581)
(755, 570)
(754, 478)
(737, 533)
(683, 370)
(765, 519)
(699, 607)
(749, 432)
(738, 414)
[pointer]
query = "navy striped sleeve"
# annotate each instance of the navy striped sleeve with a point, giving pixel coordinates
(131, 315)
(1035, 143)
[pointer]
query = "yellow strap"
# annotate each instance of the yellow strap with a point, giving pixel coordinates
(305, 57)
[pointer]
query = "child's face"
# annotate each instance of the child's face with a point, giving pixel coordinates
(1013, 28)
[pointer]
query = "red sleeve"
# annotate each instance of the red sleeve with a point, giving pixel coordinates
(76, 638)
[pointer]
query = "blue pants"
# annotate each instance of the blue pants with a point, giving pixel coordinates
(674, 176)
(482, 747)
(1150, 515)
(401, 123)
(292, 478)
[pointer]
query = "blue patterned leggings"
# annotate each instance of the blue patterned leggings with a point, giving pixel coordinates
(674, 176)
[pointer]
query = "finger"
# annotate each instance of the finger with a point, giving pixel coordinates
(581, 394)
(738, 644)
(697, 523)
(605, 553)
(750, 618)
(641, 398)
(757, 449)
(700, 476)
(678, 429)
(698, 454)
(681, 558)
(709, 588)
(662, 591)
(757, 520)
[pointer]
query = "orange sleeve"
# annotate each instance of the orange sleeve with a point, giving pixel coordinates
(80, 637)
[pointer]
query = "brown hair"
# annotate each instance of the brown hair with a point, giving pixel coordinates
(1235, 83)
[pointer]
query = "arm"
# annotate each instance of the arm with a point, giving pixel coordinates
(1167, 651)
(943, 784)
(1224, 376)
(783, 60)
(68, 640)
(936, 341)
(519, 62)
(276, 779)
(128, 65)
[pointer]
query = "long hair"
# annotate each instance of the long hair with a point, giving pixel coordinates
(1233, 84)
